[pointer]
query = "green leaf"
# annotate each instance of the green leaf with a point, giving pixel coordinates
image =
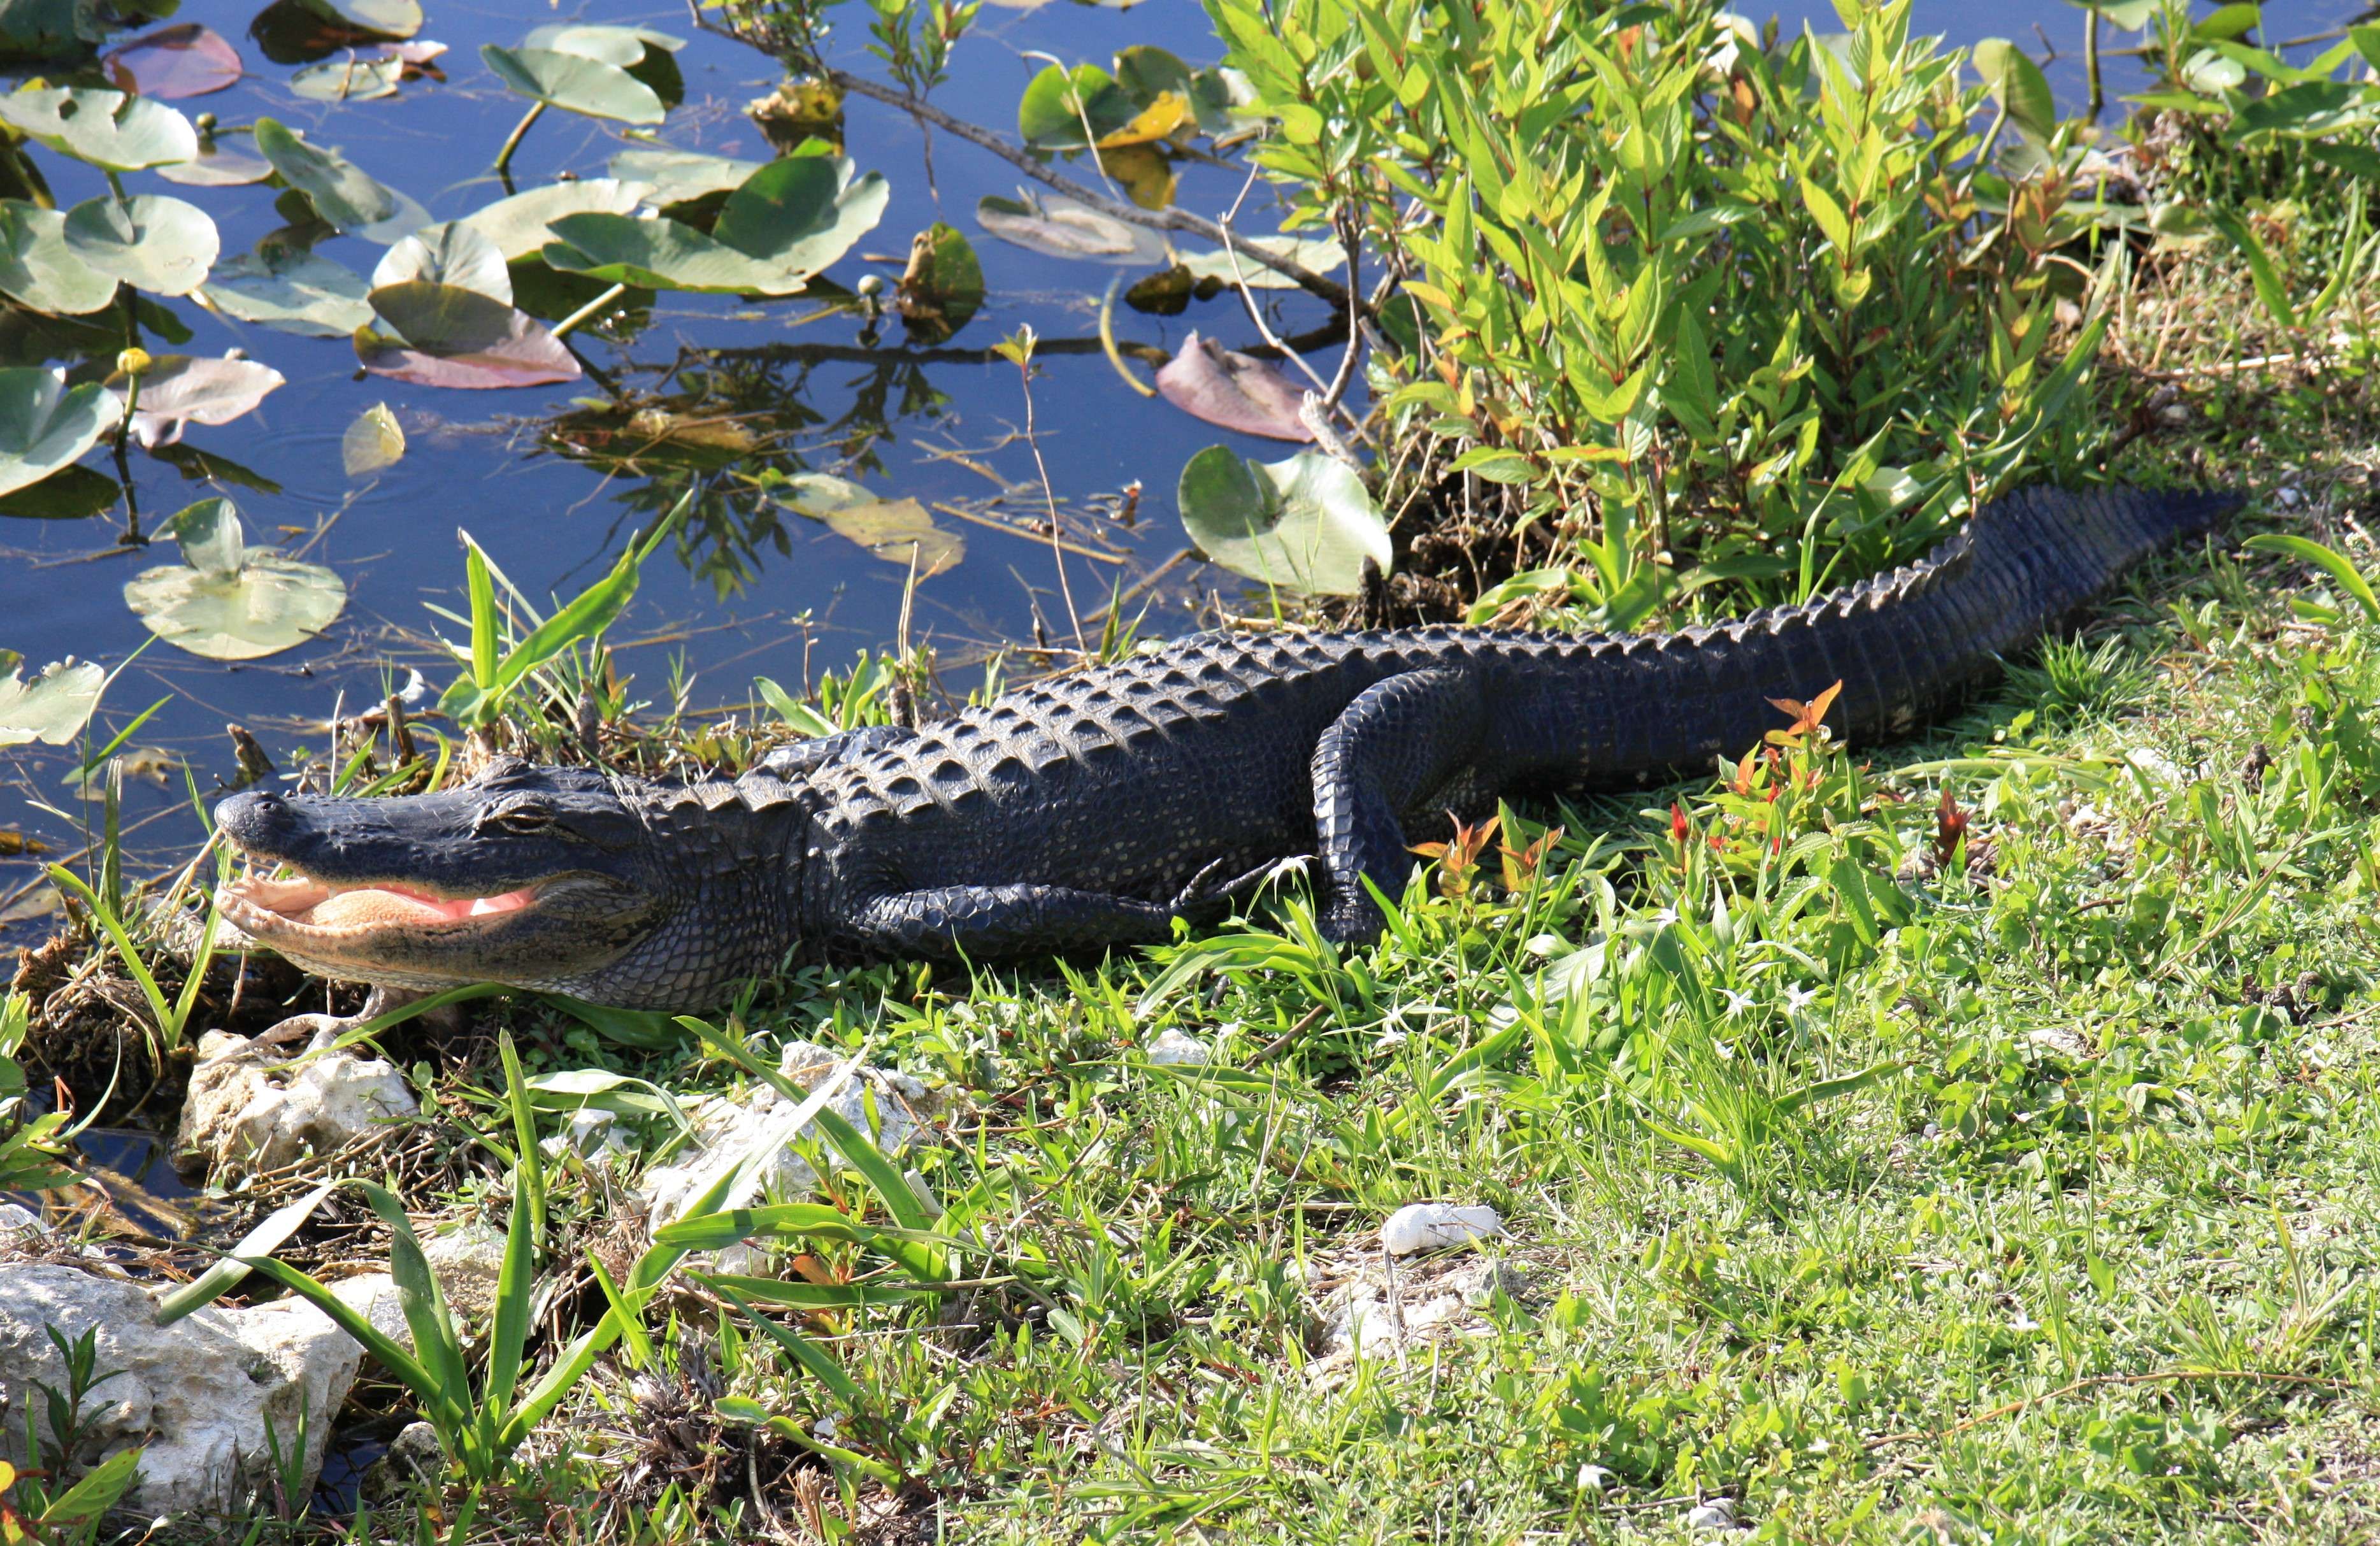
(1319, 254)
(574, 82)
(226, 1273)
(99, 1489)
(2313, 110)
(373, 441)
(624, 46)
(386, 19)
(355, 78)
(2329, 561)
(801, 213)
(39, 270)
(1305, 524)
(446, 335)
(43, 426)
(517, 225)
(227, 603)
(825, 1370)
(53, 707)
(450, 252)
(943, 286)
(2271, 291)
(291, 290)
(150, 241)
(661, 255)
(2018, 85)
(109, 129)
(341, 193)
(680, 177)
(1052, 113)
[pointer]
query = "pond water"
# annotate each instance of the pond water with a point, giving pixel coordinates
(754, 591)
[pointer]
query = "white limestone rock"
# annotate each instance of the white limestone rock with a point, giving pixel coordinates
(196, 1393)
(1174, 1047)
(467, 1261)
(248, 1111)
(725, 1128)
(1421, 1226)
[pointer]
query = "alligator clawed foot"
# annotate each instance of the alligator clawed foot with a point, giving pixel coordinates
(1202, 891)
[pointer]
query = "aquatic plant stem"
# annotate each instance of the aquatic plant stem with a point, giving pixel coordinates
(568, 324)
(512, 143)
(2090, 61)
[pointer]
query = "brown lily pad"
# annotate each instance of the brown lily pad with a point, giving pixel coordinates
(1233, 391)
(188, 60)
(446, 335)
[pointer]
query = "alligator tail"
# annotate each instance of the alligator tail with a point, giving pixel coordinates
(1903, 644)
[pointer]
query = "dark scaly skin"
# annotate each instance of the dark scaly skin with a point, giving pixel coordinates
(1091, 808)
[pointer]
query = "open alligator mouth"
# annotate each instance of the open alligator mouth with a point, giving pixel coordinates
(328, 910)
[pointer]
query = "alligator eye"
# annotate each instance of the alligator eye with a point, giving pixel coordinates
(525, 818)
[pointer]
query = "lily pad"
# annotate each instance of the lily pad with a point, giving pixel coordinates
(150, 241)
(374, 441)
(899, 530)
(291, 290)
(217, 166)
(357, 77)
(1306, 524)
(1233, 391)
(446, 335)
(53, 707)
(109, 129)
(1318, 254)
(517, 225)
(386, 18)
(180, 389)
(69, 494)
(680, 176)
(174, 62)
(226, 602)
(341, 192)
(43, 426)
(623, 46)
(943, 286)
(781, 225)
(1059, 228)
(38, 269)
(576, 82)
(447, 253)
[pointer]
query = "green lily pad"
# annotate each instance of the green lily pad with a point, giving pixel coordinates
(43, 426)
(69, 494)
(227, 602)
(374, 441)
(341, 193)
(38, 269)
(447, 253)
(291, 290)
(150, 241)
(180, 389)
(385, 18)
(576, 82)
(1306, 525)
(943, 286)
(108, 129)
(217, 166)
(517, 224)
(1319, 254)
(680, 176)
(623, 46)
(353, 78)
(1059, 228)
(446, 335)
(53, 707)
(659, 254)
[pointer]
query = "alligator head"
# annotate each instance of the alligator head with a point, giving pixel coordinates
(562, 879)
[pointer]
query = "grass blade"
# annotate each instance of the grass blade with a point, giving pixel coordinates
(2328, 560)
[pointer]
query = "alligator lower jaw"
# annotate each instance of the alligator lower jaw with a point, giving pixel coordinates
(326, 911)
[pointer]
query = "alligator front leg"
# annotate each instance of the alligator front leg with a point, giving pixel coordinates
(992, 921)
(1400, 741)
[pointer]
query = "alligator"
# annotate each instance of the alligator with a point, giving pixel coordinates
(1094, 808)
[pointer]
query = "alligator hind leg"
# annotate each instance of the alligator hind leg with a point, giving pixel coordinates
(1400, 741)
(990, 921)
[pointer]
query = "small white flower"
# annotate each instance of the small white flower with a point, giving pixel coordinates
(1737, 1003)
(1798, 998)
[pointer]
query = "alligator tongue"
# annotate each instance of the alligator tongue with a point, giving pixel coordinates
(310, 902)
